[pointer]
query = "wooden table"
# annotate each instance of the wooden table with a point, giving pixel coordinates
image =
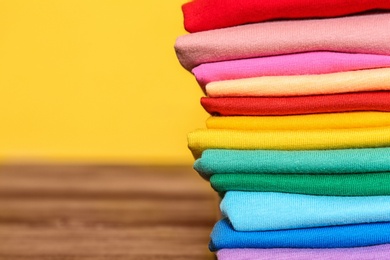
(104, 212)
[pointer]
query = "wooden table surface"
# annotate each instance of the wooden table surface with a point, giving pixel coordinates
(104, 212)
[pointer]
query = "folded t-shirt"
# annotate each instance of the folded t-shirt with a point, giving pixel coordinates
(200, 15)
(300, 85)
(298, 105)
(263, 211)
(379, 252)
(362, 184)
(299, 122)
(355, 34)
(307, 63)
(357, 235)
(322, 139)
(344, 161)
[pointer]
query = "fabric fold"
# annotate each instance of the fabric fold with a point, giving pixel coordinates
(362, 253)
(300, 122)
(201, 15)
(298, 105)
(363, 184)
(324, 162)
(264, 211)
(290, 64)
(204, 139)
(358, 235)
(301, 85)
(367, 34)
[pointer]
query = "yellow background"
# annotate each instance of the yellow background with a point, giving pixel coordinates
(94, 81)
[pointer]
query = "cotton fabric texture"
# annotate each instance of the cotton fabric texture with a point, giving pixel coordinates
(322, 139)
(298, 105)
(340, 82)
(263, 211)
(362, 184)
(290, 64)
(323, 162)
(200, 15)
(299, 122)
(356, 34)
(358, 235)
(379, 252)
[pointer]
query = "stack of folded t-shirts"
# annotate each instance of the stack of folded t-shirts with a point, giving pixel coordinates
(298, 144)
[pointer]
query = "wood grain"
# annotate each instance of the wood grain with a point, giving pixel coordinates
(104, 212)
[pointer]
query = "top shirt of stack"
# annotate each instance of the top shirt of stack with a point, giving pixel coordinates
(202, 15)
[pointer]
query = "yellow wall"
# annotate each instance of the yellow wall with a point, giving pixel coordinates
(94, 81)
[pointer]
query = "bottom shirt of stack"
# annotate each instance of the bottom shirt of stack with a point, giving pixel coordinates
(361, 253)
